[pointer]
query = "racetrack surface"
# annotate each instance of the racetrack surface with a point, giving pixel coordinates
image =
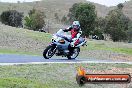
(14, 59)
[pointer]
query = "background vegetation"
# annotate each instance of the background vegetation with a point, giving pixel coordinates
(116, 24)
(12, 18)
(35, 20)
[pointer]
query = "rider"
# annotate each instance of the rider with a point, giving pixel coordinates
(75, 33)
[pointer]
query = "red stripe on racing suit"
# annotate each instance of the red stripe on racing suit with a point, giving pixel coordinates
(73, 35)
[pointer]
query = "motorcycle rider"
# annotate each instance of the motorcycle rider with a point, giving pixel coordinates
(75, 33)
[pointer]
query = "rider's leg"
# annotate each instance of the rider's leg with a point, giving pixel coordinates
(70, 49)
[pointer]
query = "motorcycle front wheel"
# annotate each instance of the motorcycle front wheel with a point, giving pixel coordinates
(74, 54)
(49, 52)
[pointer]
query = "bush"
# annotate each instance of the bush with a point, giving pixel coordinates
(35, 20)
(12, 18)
(117, 25)
(129, 32)
(100, 24)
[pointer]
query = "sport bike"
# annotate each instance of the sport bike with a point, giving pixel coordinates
(60, 46)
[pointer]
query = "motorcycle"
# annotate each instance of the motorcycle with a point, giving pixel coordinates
(60, 46)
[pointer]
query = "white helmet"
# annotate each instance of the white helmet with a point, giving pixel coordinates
(76, 24)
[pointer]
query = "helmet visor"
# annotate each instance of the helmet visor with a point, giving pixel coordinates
(75, 26)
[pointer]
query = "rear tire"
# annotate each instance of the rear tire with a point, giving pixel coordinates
(48, 53)
(75, 53)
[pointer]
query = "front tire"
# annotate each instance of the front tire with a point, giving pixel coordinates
(74, 54)
(49, 52)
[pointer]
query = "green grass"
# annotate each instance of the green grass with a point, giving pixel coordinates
(52, 75)
(45, 37)
(26, 41)
(41, 36)
(9, 51)
(19, 83)
(105, 45)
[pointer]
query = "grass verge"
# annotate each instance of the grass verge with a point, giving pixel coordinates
(57, 75)
(116, 47)
(12, 51)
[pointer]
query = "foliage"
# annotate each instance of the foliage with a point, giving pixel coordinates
(120, 6)
(12, 18)
(35, 20)
(117, 25)
(85, 13)
(129, 32)
(100, 24)
(72, 12)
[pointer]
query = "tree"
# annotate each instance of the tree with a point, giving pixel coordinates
(18, 2)
(72, 12)
(117, 25)
(129, 32)
(100, 24)
(85, 13)
(35, 20)
(120, 6)
(12, 18)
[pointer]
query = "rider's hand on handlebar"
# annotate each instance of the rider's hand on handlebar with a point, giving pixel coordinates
(70, 40)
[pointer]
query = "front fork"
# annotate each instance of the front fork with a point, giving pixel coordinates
(54, 47)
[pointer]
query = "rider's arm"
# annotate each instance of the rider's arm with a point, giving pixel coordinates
(67, 29)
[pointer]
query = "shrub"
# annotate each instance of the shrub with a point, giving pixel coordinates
(12, 18)
(35, 20)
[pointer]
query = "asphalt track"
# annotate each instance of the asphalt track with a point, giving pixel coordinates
(14, 59)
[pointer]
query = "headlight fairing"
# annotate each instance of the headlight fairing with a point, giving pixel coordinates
(55, 37)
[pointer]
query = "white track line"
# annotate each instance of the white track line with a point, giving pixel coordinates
(65, 63)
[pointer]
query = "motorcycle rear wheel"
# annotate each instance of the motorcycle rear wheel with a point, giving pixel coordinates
(74, 54)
